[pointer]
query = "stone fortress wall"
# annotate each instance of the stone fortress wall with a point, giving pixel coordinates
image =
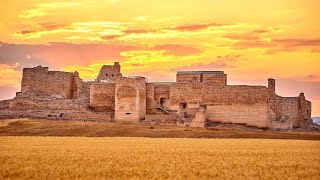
(196, 98)
(40, 81)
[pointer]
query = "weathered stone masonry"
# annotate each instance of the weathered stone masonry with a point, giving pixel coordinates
(196, 98)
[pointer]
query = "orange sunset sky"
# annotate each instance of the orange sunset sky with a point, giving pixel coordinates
(250, 40)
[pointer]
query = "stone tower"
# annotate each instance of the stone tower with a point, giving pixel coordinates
(130, 99)
(109, 73)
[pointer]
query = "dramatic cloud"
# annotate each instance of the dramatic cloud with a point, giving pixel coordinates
(196, 27)
(52, 25)
(42, 28)
(140, 31)
(297, 42)
(111, 37)
(27, 32)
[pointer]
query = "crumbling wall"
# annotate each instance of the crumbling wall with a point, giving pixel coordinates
(283, 112)
(304, 108)
(231, 104)
(38, 81)
(130, 99)
(109, 73)
(78, 87)
(4, 104)
(102, 96)
(307, 111)
(200, 118)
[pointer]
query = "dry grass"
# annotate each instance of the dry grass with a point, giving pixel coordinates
(154, 158)
(27, 127)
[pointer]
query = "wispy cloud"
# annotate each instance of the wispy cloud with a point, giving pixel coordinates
(42, 9)
(196, 27)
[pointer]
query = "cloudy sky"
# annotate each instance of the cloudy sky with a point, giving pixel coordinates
(250, 40)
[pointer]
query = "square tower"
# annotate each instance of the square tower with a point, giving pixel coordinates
(109, 73)
(130, 99)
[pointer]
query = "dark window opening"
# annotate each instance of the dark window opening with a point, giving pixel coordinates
(106, 75)
(183, 106)
(162, 101)
(128, 113)
(112, 75)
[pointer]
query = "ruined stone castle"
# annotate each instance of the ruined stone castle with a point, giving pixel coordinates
(197, 98)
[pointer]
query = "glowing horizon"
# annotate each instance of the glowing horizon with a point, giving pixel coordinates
(251, 42)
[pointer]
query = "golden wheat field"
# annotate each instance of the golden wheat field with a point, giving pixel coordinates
(157, 158)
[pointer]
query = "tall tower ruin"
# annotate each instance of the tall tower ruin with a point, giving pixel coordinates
(109, 73)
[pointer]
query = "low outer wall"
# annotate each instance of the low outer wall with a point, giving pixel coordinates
(249, 114)
(102, 96)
